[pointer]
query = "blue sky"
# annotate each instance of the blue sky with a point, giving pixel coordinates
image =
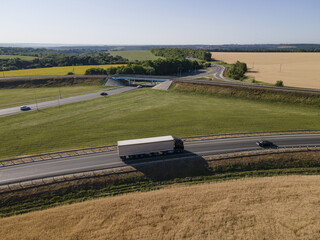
(159, 22)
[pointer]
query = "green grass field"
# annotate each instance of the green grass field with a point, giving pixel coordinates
(146, 113)
(135, 55)
(23, 96)
(27, 58)
(53, 71)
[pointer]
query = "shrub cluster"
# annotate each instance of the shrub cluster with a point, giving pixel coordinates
(237, 70)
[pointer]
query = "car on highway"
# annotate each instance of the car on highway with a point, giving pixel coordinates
(139, 86)
(104, 94)
(25, 108)
(265, 143)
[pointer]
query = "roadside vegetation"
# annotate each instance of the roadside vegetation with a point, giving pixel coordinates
(135, 55)
(24, 202)
(237, 71)
(146, 113)
(249, 93)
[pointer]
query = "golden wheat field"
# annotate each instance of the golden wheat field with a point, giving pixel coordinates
(53, 71)
(285, 207)
(294, 69)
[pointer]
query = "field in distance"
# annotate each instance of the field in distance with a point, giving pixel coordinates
(133, 55)
(258, 208)
(146, 113)
(53, 71)
(294, 69)
(27, 58)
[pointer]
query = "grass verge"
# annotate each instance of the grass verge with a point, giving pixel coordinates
(256, 94)
(23, 204)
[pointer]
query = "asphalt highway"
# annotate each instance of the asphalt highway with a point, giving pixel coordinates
(98, 161)
(62, 101)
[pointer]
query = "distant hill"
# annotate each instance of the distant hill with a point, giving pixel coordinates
(219, 48)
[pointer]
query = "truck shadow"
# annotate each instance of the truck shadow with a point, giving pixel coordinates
(184, 164)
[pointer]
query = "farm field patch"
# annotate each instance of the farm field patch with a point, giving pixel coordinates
(27, 58)
(146, 113)
(135, 55)
(53, 71)
(283, 207)
(294, 69)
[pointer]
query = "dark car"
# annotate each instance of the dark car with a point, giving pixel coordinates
(104, 94)
(25, 108)
(264, 143)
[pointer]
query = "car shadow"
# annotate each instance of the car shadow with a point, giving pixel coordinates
(273, 146)
(170, 166)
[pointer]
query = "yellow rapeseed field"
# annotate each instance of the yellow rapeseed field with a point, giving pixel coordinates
(294, 69)
(77, 70)
(260, 208)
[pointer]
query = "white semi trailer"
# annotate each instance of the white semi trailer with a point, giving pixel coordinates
(146, 146)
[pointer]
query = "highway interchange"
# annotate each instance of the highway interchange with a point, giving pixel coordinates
(97, 161)
(215, 71)
(76, 164)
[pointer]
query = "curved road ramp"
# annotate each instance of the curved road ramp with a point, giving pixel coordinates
(163, 86)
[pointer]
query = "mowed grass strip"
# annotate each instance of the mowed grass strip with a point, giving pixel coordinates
(53, 71)
(27, 58)
(145, 113)
(19, 96)
(135, 55)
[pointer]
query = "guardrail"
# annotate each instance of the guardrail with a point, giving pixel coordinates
(86, 151)
(121, 170)
(55, 155)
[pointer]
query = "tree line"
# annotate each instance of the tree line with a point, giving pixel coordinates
(60, 60)
(182, 53)
(151, 67)
(45, 52)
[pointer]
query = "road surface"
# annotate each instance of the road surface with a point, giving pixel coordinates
(98, 161)
(62, 101)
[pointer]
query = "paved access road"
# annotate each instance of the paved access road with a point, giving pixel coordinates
(215, 70)
(68, 165)
(62, 101)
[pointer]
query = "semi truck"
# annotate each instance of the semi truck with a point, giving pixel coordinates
(128, 149)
